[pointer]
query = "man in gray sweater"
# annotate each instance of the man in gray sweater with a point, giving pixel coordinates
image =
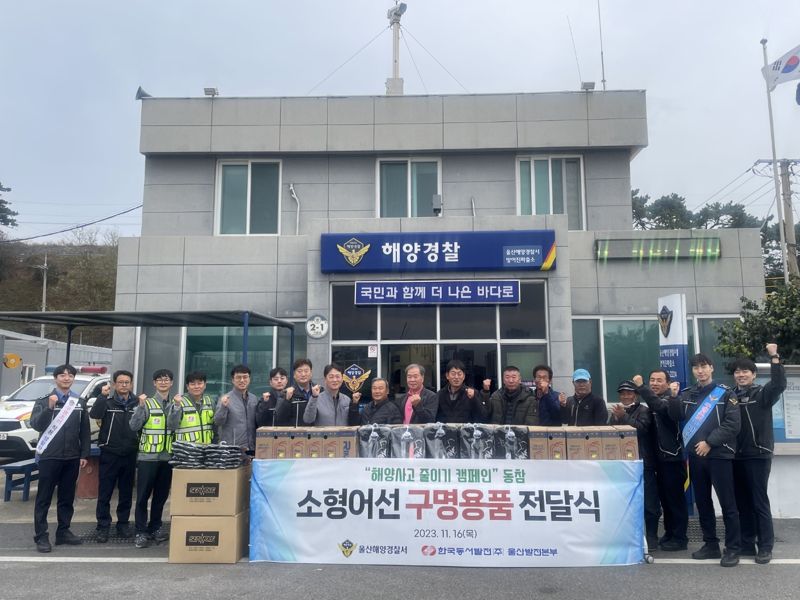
(235, 417)
(331, 407)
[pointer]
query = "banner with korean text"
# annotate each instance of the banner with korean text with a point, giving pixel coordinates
(499, 513)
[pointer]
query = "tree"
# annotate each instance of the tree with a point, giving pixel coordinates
(776, 320)
(6, 214)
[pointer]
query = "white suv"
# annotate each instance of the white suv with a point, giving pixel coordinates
(17, 438)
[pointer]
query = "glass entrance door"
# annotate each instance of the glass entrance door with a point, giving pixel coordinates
(396, 357)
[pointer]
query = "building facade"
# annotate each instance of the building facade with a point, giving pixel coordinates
(247, 200)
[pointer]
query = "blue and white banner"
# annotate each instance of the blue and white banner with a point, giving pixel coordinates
(673, 337)
(438, 251)
(499, 513)
(473, 291)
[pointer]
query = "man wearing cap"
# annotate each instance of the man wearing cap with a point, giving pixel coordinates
(671, 472)
(630, 411)
(584, 408)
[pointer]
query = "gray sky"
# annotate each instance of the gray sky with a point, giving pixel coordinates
(69, 124)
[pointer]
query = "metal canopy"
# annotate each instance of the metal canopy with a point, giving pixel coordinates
(111, 318)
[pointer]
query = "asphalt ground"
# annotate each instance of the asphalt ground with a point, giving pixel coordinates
(117, 569)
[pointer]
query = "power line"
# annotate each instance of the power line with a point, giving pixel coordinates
(745, 172)
(413, 37)
(35, 237)
(347, 61)
(405, 41)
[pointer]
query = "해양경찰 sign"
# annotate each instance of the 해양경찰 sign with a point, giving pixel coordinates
(474, 291)
(499, 513)
(438, 251)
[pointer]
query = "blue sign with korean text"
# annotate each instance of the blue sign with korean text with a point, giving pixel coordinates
(488, 291)
(438, 251)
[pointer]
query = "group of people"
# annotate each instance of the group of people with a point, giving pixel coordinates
(726, 433)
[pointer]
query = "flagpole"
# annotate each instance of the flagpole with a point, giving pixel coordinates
(778, 199)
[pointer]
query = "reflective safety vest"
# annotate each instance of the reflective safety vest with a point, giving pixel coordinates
(196, 426)
(155, 438)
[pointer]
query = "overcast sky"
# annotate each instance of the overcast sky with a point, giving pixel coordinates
(69, 124)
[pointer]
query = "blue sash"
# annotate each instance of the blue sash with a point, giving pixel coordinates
(701, 414)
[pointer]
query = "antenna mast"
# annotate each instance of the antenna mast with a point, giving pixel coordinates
(394, 85)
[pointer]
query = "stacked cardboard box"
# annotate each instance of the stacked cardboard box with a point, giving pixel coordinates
(210, 510)
(306, 442)
(583, 443)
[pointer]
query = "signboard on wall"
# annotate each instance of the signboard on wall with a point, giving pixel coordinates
(533, 250)
(473, 291)
(673, 337)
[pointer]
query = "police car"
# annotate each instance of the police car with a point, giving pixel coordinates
(17, 438)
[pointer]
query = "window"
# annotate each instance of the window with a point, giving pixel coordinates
(552, 185)
(249, 198)
(407, 186)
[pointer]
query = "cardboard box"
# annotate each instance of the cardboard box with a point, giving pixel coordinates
(537, 442)
(339, 442)
(593, 443)
(628, 443)
(314, 444)
(609, 437)
(206, 539)
(218, 492)
(556, 443)
(576, 447)
(273, 442)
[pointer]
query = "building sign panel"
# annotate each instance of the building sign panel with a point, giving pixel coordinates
(488, 291)
(438, 251)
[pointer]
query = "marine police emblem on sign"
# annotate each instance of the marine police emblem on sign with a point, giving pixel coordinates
(665, 321)
(347, 547)
(353, 251)
(354, 377)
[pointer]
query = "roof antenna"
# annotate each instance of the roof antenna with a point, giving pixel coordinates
(602, 60)
(394, 85)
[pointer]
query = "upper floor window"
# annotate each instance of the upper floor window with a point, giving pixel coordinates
(249, 197)
(407, 187)
(552, 185)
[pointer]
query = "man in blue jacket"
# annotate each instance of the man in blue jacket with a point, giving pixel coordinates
(63, 449)
(546, 396)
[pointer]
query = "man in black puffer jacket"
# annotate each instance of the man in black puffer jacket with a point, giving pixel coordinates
(118, 446)
(512, 404)
(754, 455)
(458, 403)
(630, 411)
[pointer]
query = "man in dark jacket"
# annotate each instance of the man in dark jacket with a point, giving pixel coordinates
(630, 411)
(512, 404)
(274, 409)
(711, 417)
(584, 408)
(546, 396)
(379, 410)
(457, 402)
(419, 405)
(63, 449)
(670, 465)
(118, 445)
(754, 455)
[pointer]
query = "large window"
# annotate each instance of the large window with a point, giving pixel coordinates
(249, 197)
(483, 337)
(613, 349)
(407, 187)
(552, 185)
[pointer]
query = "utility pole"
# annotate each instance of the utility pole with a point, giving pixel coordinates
(785, 224)
(43, 268)
(791, 242)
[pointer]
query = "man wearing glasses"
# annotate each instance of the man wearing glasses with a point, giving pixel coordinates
(235, 417)
(154, 476)
(118, 445)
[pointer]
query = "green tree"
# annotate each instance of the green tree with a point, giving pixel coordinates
(6, 214)
(640, 220)
(776, 319)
